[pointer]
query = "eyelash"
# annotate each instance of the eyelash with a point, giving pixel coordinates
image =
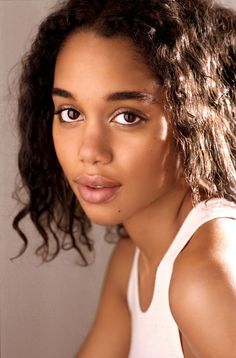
(129, 112)
(64, 109)
(119, 112)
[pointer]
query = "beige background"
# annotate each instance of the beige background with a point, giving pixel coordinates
(46, 310)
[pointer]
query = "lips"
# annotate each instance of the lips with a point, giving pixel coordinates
(96, 189)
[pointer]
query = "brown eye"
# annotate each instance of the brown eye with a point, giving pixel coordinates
(72, 114)
(69, 115)
(128, 118)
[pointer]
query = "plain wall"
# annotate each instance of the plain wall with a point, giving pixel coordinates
(46, 310)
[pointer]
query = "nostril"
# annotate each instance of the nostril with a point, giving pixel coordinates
(94, 146)
(95, 156)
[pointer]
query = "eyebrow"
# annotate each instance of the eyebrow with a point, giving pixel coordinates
(131, 95)
(62, 93)
(116, 96)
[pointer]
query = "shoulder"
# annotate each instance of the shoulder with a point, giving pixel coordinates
(112, 308)
(203, 290)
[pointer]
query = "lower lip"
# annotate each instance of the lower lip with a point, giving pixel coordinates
(97, 196)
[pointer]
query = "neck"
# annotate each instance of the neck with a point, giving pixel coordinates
(152, 230)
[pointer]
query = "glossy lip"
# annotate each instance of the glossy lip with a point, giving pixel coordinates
(96, 189)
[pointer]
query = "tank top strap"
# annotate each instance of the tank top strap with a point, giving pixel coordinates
(132, 289)
(200, 214)
(157, 323)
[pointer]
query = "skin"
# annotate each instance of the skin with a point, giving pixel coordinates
(152, 201)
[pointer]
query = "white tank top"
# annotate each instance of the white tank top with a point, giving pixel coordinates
(155, 332)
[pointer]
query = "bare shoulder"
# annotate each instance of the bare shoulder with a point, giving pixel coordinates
(203, 290)
(112, 318)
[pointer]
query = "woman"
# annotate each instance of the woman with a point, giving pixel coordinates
(127, 119)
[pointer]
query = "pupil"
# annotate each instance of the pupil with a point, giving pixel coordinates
(72, 114)
(129, 117)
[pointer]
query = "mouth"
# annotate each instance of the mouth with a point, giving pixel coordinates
(96, 189)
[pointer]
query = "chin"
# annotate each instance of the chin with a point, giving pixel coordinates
(104, 219)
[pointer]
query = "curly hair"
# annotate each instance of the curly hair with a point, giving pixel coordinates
(190, 47)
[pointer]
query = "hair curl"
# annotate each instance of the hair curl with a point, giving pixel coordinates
(190, 46)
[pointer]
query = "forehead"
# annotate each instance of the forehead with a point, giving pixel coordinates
(91, 57)
(90, 43)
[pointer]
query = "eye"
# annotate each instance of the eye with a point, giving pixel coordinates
(128, 118)
(69, 115)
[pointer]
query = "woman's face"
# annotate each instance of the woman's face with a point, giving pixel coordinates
(110, 132)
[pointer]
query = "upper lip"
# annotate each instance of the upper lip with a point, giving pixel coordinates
(96, 181)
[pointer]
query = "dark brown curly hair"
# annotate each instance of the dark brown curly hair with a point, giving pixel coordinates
(191, 47)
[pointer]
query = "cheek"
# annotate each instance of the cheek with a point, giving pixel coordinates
(153, 166)
(152, 155)
(64, 149)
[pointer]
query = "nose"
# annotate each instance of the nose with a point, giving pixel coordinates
(95, 146)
